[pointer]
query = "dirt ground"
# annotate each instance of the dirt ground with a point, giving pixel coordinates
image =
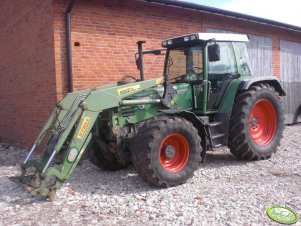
(224, 191)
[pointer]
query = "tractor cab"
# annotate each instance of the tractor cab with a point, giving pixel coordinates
(208, 62)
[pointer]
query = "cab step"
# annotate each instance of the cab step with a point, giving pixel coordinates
(214, 124)
(216, 135)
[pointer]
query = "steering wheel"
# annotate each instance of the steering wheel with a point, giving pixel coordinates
(198, 74)
(180, 77)
(198, 68)
(130, 77)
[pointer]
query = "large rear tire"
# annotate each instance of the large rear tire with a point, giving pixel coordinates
(166, 151)
(256, 124)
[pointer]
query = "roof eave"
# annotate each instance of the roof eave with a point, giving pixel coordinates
(211, 10)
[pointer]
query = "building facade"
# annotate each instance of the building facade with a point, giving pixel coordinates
(34, 68)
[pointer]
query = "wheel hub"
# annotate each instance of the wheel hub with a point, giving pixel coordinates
(254, 122)
(169, 151)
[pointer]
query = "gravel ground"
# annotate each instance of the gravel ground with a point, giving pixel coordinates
(224, 191)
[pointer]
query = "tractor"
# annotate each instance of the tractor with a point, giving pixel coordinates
(207, 98)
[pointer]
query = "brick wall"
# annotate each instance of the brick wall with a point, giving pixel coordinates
(108, 31)
(27, 85)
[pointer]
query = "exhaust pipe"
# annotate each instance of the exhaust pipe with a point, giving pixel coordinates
(140, 59)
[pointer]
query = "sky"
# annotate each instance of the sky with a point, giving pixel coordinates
(285, 11)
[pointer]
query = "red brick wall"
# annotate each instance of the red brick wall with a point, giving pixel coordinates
(27, 85)
(108, 32)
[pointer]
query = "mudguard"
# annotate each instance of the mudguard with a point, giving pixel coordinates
(238, 85)
(271, 80)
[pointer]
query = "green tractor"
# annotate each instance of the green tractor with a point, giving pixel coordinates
(207, 98)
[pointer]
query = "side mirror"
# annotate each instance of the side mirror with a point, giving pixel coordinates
(214, 52)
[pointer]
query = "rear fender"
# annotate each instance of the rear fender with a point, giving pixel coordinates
(271, 80)
(241, 85)
(225, 108)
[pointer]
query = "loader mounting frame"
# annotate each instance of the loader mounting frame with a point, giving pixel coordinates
(71, 123)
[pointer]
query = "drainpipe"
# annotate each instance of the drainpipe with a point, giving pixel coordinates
(68, 45)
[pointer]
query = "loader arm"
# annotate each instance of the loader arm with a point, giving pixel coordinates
(72, 121)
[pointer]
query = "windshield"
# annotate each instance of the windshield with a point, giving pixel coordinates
(185, 63)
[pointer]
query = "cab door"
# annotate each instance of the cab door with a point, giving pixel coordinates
(220, 75)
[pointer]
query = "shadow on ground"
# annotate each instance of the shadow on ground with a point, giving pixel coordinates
(88, 179)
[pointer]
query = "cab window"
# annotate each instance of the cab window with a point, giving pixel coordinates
(227, 64)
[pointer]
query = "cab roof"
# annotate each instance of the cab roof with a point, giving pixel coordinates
(204, 37)
(223, 37)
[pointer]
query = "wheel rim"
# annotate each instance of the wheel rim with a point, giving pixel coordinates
(263, 122)
(174, 152)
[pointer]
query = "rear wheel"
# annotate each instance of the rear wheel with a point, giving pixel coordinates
(256, 124)
(166, 151)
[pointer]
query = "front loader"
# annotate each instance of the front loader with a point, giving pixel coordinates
(207, 98)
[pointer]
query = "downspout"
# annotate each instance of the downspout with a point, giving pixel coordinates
(68, 45)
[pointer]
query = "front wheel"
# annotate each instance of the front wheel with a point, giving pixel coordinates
(100, 156)
(256, 124)
(167, 151)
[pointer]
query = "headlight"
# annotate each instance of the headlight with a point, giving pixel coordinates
(72, 154)
(186, 38)
(192, 37)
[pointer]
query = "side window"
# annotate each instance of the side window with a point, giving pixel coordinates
(244, 60)
(227, 62)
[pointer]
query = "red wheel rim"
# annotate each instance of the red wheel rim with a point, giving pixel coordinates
(174, 152)
(263, 122)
